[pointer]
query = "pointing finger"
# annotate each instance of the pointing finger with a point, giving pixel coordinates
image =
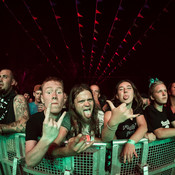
(61, 119)
(47, 113)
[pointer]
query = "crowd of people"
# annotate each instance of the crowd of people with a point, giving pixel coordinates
(61, 124)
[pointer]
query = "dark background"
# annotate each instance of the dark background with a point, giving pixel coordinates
(68, 39)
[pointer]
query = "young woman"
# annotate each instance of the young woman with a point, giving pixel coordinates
(159, 118)
(126, 119)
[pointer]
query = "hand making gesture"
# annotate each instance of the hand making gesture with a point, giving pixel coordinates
(120, 113)
(78, 144)
(50, 126)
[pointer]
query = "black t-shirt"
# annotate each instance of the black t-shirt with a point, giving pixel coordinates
(35, 124)
(156, 119)
(128, 127)
(7, 114)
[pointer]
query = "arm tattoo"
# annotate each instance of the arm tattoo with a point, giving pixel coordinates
(21, 116)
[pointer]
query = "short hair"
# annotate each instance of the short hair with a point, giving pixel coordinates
(11, 72)
(51, 78)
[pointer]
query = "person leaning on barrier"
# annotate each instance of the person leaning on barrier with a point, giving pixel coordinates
(159, 118)
(13, 107)
(51, 126)
(126, 120)
(84, 119)
(84, 116)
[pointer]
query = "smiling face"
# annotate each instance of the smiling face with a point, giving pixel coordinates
(84, 105)
(125, 93)
(52, 92)
(160, 95)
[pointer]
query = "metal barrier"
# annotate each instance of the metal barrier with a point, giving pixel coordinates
(157, 157)
(12, 154)
(11, 146)
(90, 162)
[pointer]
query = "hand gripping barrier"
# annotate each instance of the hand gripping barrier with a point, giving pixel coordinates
(157, 157)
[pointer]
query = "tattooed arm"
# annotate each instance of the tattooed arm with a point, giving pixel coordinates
(21, 115)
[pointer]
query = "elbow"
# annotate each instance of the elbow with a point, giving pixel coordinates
(146, 130)
(29, 164)
(159, 134)
(105, 138)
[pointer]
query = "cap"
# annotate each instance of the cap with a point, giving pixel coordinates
(37, 87)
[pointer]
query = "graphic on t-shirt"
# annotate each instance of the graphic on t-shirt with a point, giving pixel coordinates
(165, 124)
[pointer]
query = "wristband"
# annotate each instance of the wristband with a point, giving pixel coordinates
(88, 138)
(110, 128)
(131, 142)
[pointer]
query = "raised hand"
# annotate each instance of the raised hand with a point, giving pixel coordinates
(120, 113)
(50, 126)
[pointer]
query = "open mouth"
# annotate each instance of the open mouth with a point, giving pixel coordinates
(125, 97)
(87, 113)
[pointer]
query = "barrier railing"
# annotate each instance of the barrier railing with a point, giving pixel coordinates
(157, 157)
(92, 161)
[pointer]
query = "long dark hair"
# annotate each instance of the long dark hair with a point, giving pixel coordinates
(137, 101)
(76, 120)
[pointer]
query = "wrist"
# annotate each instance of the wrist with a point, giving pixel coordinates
(112, 127)
(131, 141)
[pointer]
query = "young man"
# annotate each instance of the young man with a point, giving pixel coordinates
(13, 107)
(83, 112)
(37, 105)
(159, 118)
(47, 125)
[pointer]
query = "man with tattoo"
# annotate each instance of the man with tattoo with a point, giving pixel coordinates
(13, 107)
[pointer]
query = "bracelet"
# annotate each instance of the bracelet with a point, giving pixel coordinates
(131, 142)
(112, 129)
(88, 138)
